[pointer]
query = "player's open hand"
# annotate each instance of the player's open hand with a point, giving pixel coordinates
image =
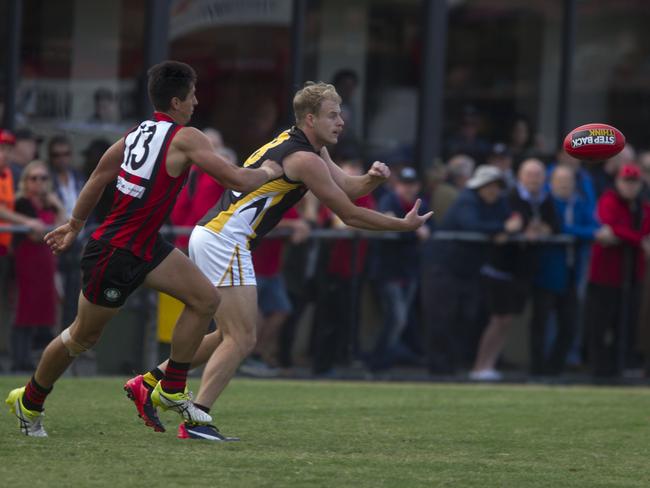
(379, 170)
(61, 238)
(273, 169)
(413, 220)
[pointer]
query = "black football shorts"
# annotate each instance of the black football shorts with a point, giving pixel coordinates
(111, 274)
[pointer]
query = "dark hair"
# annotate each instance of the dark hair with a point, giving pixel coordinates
(342, 74)
(93, 153)
(25, 134)
(103, 94)
(167, 80)
(56, 141)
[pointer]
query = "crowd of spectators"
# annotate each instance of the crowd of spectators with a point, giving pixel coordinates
(519, 237)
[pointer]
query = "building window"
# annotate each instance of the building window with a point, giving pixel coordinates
(81, 63)
(241, 55)
(502, 76)
(611, 68)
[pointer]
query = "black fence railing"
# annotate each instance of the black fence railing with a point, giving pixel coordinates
(328, 234)
(359, 235)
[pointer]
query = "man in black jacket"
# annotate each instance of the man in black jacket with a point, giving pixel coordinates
(510, 267)
(454, 277)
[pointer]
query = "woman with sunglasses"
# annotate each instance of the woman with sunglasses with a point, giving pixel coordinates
(35, 266)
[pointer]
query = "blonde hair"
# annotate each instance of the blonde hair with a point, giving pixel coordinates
(22, 183)
(308, 100)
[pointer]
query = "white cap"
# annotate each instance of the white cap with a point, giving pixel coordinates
(484, 175)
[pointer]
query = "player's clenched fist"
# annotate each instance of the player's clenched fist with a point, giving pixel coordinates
(379, 170)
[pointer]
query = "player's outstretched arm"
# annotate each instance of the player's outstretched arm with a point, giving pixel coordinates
(106, 171)
(356, 186)
(313, 172)
(199, 151)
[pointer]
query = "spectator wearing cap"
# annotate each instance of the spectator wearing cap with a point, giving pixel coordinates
(501, 157)
(508, 273)
(616, 271)
(603, 173)
(395, 269)
(67, 183)
(454, 279)
(561, 270)
(25, 150)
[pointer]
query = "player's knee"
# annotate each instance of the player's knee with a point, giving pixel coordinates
(205, 303)
(77, 342)
(243, 341)
(211, 302)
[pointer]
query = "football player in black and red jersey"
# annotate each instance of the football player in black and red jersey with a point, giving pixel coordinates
(149, 165)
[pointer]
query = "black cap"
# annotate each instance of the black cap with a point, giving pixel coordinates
(407, 175)
(500, 149)
(25, 133)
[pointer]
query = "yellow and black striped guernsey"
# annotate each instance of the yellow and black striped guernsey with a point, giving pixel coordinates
(245, 218)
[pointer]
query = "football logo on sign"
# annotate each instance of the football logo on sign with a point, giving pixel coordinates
(112, 294)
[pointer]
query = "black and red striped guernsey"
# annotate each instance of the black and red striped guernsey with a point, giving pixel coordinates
(145, 193)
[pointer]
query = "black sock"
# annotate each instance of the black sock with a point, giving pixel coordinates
(35, 395)
(157, 373)
(151, 378)
(202, 407)
(175, 377)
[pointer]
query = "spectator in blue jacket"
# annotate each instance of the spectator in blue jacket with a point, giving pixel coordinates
(584, 182)
(454, 280)
(561, 270)
(395, 269)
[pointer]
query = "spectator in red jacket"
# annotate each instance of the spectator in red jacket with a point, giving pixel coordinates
(616, 271)
(200, 192)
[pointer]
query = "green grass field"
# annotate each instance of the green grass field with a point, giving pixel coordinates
(339, 434)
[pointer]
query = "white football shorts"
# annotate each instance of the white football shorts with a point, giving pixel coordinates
(224, 262)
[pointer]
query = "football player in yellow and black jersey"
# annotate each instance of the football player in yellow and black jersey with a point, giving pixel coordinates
(221, 243)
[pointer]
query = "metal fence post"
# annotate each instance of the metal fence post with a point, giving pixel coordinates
(14, 24)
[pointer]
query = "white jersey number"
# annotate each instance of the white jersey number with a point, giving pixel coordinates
(143, 146)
